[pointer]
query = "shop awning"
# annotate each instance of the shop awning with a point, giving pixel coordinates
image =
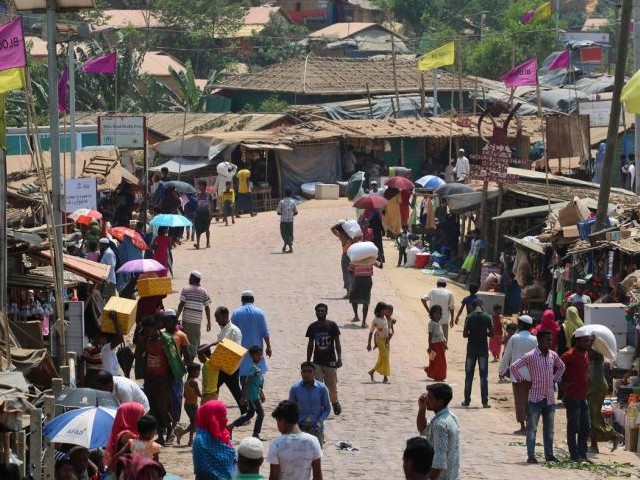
(181, 165)
(536, 247)
(92, 271)
(528, 211)
(129, 177)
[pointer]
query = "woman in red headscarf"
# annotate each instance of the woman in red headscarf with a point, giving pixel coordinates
(549, 323)
(125, 427)
(214, 458)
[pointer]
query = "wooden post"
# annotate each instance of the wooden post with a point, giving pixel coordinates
(483, 211)
(49, 461)
(56, 388)
(369, 99)
(459, 75)
(65, 374)
(6, 447)
(496, 248)
(20, 448)
(35, 444)
(422, 94)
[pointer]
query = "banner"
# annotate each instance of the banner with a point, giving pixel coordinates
(440, 57)
(12, 79)
(522, 75)
(12, 50)
(540, 13)
(561, 61)
(631, 94)
(105, 63)
(63, 91)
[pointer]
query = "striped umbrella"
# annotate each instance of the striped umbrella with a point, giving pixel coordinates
(88, 427)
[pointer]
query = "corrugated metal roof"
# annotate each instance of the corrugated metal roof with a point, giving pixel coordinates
(344, 30)
(116, 19)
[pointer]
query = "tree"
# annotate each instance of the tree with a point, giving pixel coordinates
(278, 41)
(189, 96)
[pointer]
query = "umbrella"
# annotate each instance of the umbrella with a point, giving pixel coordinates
(85, 216)
(454, 189)
(399, 183)
(370, 201)
(169, 220)
(120, 232)
(86, 397)
(354, 185)
(88, 427)
(141, 265)
(430, 182)
(180, 186)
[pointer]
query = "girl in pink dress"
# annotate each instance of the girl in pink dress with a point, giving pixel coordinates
(161, 246)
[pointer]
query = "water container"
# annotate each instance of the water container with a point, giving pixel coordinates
(625, 357)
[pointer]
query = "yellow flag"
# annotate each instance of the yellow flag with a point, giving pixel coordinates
(440, 57)
(631, 94)
(11, 79)
(543, 11)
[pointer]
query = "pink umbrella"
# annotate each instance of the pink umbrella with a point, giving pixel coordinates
(142, 265)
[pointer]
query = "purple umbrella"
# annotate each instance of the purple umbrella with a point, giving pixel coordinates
(142, 265)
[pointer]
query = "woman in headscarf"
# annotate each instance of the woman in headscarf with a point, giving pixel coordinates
(392, 220)
(125, 427)
(549, 323)
(572, 322)
(214, 458)
(597, 174)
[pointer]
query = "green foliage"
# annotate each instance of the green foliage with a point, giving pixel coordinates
(273, 104)
(191, 98)
(278, 41)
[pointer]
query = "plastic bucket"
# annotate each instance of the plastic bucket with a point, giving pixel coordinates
(422, 259)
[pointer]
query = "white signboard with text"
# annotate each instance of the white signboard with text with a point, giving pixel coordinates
(80, 193)
(599, 112)
(123, 131)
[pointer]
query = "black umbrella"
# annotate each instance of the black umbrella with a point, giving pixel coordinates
(180, 186)
(86, 397)
(453, 189)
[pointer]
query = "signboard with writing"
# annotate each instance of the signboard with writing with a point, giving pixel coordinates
(599, 112)
(595, 37)
(123, 131)
(494, 162)
(80, 193)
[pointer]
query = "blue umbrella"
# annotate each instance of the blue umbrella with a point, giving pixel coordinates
(430, 182)
(170, 220)
(88, 427)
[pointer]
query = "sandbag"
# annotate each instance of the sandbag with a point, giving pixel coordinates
(226, 169)
(366, 262)
(352, 228)
(411, 257)
(362, 250)
(604, 342)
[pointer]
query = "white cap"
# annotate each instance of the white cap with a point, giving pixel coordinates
(461, 150)
(169, 313)
(441, 280)
(373, 182)
(526, 319)
(104, 241)
(582, 332)
(196, 274)
(251, 448)
(246, 293)
(581, 281)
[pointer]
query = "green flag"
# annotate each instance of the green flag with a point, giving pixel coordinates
(3, 124)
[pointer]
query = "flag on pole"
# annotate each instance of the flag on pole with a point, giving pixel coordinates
(631, 94)
(561, 61)
(440, 57)
(540, 13)
(63, 91)
(13, 58)
(105, 63)
(522, 75)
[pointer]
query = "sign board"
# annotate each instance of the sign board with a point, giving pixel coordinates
(80, 193)
(595, 37)
(599, 112)
(495, 160)
(591, 54)
(123, 131)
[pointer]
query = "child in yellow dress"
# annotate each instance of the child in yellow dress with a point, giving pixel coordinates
(209, 375)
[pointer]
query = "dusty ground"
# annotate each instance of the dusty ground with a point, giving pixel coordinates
(377, 418)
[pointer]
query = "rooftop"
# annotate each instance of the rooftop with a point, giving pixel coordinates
(340, 76)
(344, 30)
(116, 19)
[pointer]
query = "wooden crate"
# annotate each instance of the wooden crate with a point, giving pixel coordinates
(126, 313)
(153, 287)
(228, 355)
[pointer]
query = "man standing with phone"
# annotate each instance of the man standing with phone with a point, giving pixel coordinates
(324, 346)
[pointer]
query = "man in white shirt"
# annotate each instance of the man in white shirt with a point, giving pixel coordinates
(294, 455)
(579, 298)
(517, 346)
(443, 297)
(123, 388)
(462, 169)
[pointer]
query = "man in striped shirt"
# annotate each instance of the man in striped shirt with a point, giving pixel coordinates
(546, 369)
(193, 300)
(287, 210)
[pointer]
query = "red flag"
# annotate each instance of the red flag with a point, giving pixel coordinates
(63, 91)
(105, 63)
(522, 75)
(561, 61)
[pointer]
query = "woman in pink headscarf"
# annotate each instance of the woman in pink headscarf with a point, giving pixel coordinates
(125, 427)
(214, 458)
(549, 323)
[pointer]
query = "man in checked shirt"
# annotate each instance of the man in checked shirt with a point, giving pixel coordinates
(546, 369)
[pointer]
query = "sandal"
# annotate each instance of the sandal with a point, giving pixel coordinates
(365, 325)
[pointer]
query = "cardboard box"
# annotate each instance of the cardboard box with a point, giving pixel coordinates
(327, 191)
(228, 355)
(126, 310)
(574, 212)
(570, 232)
(153, 287)
(619, 235)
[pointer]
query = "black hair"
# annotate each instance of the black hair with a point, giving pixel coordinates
(288, 411)
(59, 464)
(162, 230)
(543, 333)
(287, 192)
(148, 321)
(496, 307)
(322, 305)
(389, 307)
(379, 307)
(104, 377)
(250, 463)
(193, 367)
(420, 452)
(164, 169)
(147, 424)
(224, 311)
(202, 182)
(511, 326)
(433, 309)
(255, 349)
(307, 364)
(473, 288)
(441, 391)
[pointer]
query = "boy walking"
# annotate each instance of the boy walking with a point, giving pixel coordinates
(403, 244)
(252, 393)
(228, 202)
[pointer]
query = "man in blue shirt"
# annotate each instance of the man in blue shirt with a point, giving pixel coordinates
(253, 324)
(312, 397)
